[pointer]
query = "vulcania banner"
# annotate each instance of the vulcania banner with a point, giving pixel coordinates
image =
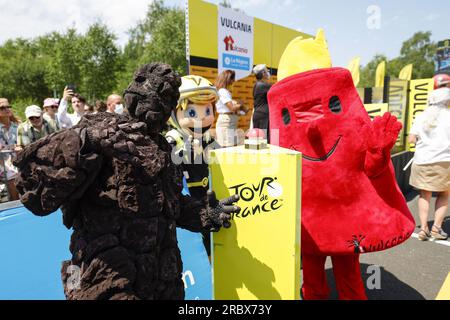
(418, 101)
(398, 99)
(235, 31)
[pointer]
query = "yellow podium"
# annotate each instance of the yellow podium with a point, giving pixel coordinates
(259, 256)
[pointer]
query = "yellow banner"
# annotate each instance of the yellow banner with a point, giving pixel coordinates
(376, 109)
(398, 99)
(259, 256)
(353, 67)
(418, 101)
(380, 73)
(406, 72)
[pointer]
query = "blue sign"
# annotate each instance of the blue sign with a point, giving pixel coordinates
(235, 62)
(32, 249)
(197, 274)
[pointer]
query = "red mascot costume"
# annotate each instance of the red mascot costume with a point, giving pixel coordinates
(351, 203)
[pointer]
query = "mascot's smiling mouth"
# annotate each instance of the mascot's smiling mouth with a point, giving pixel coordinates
(204, 129)
(325, 157)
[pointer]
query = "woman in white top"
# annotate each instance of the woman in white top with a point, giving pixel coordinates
(228, 110)
(68, 120)
(431, 168)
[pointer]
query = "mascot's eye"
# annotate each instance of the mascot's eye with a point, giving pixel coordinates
(335, 105)
(208, 111)
(286, 116)
(140, 79)
(191, 113)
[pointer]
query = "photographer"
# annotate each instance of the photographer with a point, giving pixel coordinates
(68, 120)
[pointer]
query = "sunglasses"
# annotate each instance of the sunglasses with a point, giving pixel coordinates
(34, 118)
(5, 108)
(52, 107)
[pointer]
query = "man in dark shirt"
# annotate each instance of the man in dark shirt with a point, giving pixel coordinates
(261, 106)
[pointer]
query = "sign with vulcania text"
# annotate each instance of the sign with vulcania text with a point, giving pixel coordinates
(235, 42)
(418, 102)
(258, 257)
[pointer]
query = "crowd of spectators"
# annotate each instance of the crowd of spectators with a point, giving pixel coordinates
(39, 122)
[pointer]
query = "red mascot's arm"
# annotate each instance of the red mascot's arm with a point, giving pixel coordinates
(378, 165)
(381, 137)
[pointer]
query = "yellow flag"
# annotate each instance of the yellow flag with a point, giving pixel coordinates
(379, 75)
(353, 66)
(303, 55)
(406, 72)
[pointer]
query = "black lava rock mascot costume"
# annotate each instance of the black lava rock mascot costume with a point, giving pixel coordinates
(113, 178)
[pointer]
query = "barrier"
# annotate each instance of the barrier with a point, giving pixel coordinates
(32, 249)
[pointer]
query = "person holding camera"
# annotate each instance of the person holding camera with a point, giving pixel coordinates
(68, 120)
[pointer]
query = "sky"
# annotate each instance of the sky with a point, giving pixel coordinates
(353, 27)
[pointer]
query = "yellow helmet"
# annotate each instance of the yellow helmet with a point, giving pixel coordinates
(197, 90)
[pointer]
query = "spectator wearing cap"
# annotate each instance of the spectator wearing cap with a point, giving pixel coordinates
(50, 111)
(8, 140)
(34, 128)
(260, 117)
(441, 81)
(68, 120)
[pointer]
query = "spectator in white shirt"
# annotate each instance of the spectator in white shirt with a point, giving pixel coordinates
(68, 120)
(228, 110)
(430, 171)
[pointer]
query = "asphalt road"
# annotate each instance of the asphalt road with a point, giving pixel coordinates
(415, 270)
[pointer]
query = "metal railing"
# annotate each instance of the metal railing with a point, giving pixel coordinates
(5, 154)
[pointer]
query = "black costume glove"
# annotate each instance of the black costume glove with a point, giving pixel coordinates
(218, 213)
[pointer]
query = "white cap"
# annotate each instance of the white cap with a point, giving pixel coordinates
(33, 111)
(259, 68)
(439, 96)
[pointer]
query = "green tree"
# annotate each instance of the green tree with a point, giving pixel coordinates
(159, 37)
(100, 62)
(22, 70)
(367, 75)
(418, 50)
(65, 65)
